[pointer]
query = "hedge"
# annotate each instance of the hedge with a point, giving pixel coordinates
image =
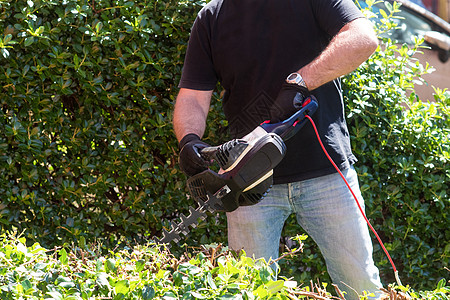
(87, 150)
(149, 272)
(86, 142)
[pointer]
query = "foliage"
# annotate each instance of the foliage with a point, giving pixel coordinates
(87, 150)
(86, 142)
(147, 272)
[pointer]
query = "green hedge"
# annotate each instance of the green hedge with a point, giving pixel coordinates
(86, 142)
(87, 149)
(147, 272)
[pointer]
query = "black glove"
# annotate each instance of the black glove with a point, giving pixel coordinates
(289, 100)
(190, 159)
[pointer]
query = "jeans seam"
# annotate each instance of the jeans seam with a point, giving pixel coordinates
(291, 201)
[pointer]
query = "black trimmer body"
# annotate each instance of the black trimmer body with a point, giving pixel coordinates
(247, 166)
(248, 174)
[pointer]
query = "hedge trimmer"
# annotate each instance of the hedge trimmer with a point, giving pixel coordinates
(246, 171)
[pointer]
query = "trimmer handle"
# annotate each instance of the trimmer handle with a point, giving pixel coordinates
(289, 127)
(208, 152)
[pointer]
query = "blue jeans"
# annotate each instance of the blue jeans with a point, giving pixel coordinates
(327, 211)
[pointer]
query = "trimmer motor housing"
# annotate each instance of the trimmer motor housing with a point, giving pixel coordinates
(247, 166)
(246, 172)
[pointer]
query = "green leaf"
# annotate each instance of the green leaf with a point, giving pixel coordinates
(148, 292)
(98, 27)
(389, 6)
(265, 274)
(76, 60)
(26, 284)
(67, 284)
(99, 265)
(28, 41)
(274, 287)
(210, 281)
(5, 53)
(63, 256)
(140, 264)
(40, 30)
(55, 295)
(441, 284)
(111, 265)
(197, 295)
(82, 242)
(102, 279)
(261, 292)
(7, 39)
(122, 287)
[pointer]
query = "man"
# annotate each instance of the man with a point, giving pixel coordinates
(258, 50)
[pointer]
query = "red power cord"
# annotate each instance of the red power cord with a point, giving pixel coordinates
(357, 202)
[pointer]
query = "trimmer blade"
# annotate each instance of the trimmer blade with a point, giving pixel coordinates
(200, 213)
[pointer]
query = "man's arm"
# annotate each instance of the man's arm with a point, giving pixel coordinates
(351, 46)
(191, 110)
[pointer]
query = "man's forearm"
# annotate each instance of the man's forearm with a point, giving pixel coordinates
(354, 43)
(190, 113)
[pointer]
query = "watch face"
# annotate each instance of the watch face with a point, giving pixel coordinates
(293, 77)
(296, 78)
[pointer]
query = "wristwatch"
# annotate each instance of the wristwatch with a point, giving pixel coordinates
(297, 79)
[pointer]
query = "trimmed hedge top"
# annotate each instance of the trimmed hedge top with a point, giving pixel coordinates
(147, 272)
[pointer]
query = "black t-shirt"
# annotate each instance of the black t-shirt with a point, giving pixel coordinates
(250, 46)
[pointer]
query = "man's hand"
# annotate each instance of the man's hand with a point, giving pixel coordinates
(189, 121)
(289, 100)
(190, 160)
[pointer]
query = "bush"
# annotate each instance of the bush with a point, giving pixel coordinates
(87, 150)
(147, 272)
(86, 142)
(144, 272)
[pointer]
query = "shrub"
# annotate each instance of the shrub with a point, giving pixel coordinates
(147, 272)
(144, 272)
(86, 142)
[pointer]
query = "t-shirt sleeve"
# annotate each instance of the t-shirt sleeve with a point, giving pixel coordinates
(198, 70)
(332, 15)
